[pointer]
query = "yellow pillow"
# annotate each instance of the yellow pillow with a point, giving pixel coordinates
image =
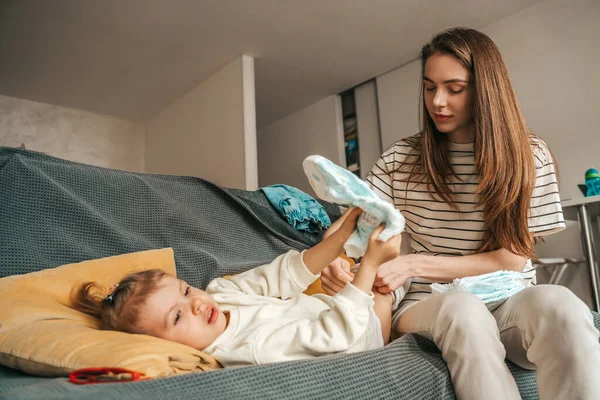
(42, 335)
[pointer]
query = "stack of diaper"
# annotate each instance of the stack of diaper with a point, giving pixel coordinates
(490, 288)
(338, 185)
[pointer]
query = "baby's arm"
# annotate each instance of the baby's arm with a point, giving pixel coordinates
(340, 327)
(291, 273)
(320, 256)
(284, 277)
(338, 222)
(377, 254)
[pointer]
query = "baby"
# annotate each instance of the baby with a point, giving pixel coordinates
(259, 316)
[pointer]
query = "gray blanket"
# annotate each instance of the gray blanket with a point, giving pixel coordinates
(54, 212)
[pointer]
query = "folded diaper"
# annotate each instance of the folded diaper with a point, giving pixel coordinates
(338, 185)
(301, 210)
(490, 288)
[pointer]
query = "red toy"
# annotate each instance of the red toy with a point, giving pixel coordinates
(86, 376)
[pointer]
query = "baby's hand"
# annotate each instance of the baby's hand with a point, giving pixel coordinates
(349, 224)
(381, 252)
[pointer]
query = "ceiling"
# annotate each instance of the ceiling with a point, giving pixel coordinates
(130, 58)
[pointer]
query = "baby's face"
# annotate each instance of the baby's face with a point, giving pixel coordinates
(183, 314)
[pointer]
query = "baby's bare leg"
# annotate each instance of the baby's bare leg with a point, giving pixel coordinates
(383, 310)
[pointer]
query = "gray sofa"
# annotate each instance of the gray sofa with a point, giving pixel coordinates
(54, 212)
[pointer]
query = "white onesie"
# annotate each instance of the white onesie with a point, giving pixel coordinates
(271, 320)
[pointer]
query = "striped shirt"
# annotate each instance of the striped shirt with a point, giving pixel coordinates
(435, 228)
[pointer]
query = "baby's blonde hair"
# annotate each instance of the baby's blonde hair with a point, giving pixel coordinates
(118, 310)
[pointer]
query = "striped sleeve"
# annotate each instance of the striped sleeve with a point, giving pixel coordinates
(545, 214)
(380, 178)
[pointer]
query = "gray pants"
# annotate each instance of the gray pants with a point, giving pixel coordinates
(544, 327)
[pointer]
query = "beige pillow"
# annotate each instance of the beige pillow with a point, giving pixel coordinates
(42, 335)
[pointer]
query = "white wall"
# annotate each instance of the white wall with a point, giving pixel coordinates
(398, 96)
(369, 137)
(551, 50)
(210, 132)
(552, 53)
(72, 134)
(283, 145)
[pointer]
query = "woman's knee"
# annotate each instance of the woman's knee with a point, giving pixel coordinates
(466, 312)
(465, 327)
(555, 303)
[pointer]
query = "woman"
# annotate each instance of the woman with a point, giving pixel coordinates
(476, 183)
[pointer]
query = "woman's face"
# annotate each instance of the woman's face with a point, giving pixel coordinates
(448, 95)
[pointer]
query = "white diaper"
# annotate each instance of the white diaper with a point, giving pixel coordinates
(335, 184)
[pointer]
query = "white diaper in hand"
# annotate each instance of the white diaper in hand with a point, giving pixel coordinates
(337, 185)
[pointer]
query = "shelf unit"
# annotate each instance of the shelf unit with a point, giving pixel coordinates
(358, 123)
(350, 125)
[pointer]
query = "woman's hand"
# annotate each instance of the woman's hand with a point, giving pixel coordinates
(335, 276)
(392, 274)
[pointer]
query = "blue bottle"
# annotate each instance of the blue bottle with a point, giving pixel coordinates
(592, 182)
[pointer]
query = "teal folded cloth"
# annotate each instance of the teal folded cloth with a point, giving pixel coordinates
(301, 210)
(490, 288)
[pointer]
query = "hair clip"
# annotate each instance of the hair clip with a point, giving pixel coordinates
(109, 299)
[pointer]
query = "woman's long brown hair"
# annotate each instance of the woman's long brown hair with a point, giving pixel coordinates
(503, 155)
